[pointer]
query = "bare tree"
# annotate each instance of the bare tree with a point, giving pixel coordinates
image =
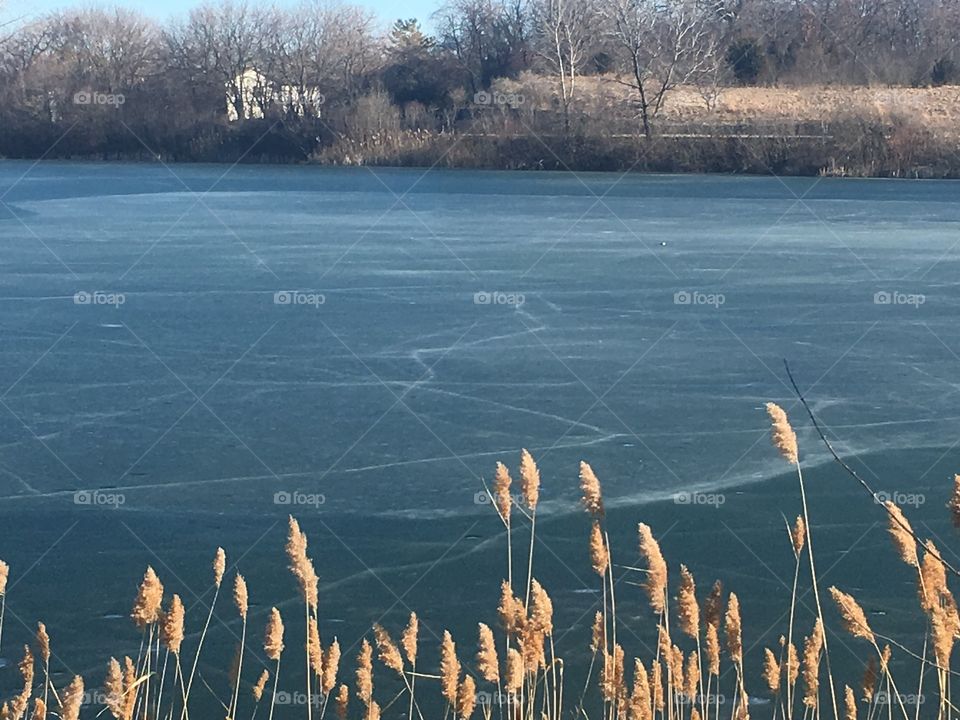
(665, 43)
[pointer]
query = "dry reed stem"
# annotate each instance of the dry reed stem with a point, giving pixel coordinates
(365, 673)
(782, 434)
(487, 662)
(656, 582)
(273, 638)
(590, 486)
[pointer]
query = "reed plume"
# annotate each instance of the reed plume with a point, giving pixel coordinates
(640, 694)
(301, 565)
(387, 649)
(798, 535)
(711, 648)
(782, 434)
(241, 597)
(869, 686)
(365, 673)
(342, 702)
(854, 619)
(656, 582)
(449, 669)
(691, 675)
(598, 633)
(656, 685)
(541, 609)
(943, 631)
(466, 698)
(812, 647)
(688, 611)
(408, 641)
(130, 688)
(713, 605)
(529, 480)
(314, 649)
(850, 704)
(933, 578)
(512, 614)
(273, 639)
(171, 630)
(902, 534)
(43, 643)
(732, 627)
(219, 566)
(793, 664)
(513, 679)
(501, 492)
(373, 710)
(113, 689)
(599, 556)
(39, 710)
(590, 486)
(260, 685)
(487, 663)
(331, 665)
(72, 699)
(146, 606)
(953, 505)
(4, 577)
(771, 671)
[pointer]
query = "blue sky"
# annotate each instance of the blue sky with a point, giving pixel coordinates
(387, 10)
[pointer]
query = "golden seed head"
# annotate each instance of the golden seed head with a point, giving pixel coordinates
(711, 649)
(488, 664)
(72, 699)
(146, 606)
(732, 626)
(869, 680)
(43, 643)
(656, 582)
(599, 557)
(529, 480)
(784, 438)
(541, 609)
(388, 651)
(854, 619)
(39, 710)
(513, 615)
(902, 534)
(301, 565)
(273, 639)
(365, 673)
(771, 671)
(113, 689)
(240, 596)
(590, 486)
(656, 684)
(691, 675)
(4, 576)
(343, 701)
(260, 685)
(850, 703)
(598, 636)
(799, 534)
(467, 698)
(514, 676)
(409, 639)
(933, 578)
(953, 505)
(331, 666)
(501, 492)
(640, 695)
(713, 605)
(219, 566)
(688, 610)
(314, 648)
(812, 647)
(449, 669)
(171, 631)
(793, 664)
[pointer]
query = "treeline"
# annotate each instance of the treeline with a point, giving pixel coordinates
(503, 83)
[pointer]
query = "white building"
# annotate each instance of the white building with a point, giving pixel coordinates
(259, 94)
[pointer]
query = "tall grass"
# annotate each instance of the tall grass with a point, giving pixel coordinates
(695, 671)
